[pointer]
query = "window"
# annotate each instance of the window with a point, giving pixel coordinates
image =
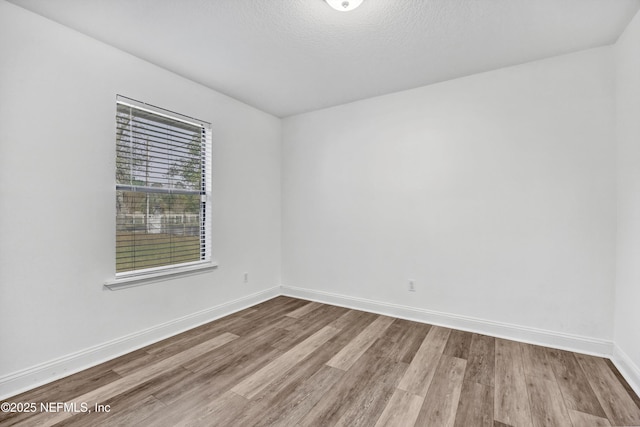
(163, 192)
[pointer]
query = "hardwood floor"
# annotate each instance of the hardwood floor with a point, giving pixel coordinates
(291, 362)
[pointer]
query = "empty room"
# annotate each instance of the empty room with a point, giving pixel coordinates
(320, 212)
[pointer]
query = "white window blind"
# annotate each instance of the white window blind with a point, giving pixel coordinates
(163, 190)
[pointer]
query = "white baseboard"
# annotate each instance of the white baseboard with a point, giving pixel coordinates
(563, 341)
(26, 379)
(629, 370)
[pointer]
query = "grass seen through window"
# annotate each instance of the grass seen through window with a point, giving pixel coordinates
(138, 250)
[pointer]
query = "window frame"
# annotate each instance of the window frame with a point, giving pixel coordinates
(126, 279)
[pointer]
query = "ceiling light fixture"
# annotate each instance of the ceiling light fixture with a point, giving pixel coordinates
(344, 5)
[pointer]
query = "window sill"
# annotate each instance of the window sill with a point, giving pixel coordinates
(144, 279)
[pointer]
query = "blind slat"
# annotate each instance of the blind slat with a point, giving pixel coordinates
(156, 190)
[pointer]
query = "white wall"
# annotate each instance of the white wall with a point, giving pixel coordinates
(627, 302)
(495, 193)
(57, 213)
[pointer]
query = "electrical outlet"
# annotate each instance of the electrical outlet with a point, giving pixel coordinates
(412, 286)
(246, 277)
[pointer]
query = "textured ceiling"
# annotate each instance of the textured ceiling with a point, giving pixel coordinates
(291, 56)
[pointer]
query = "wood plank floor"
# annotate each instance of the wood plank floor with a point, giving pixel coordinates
(289, 362)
